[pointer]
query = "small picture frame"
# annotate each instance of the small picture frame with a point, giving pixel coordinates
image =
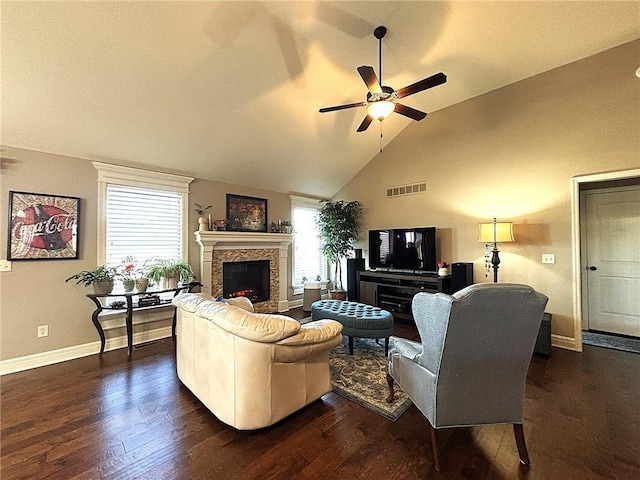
(42, 226)
(246, 214)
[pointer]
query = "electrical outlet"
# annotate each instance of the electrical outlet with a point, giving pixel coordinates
(43, 331)
(548, 258)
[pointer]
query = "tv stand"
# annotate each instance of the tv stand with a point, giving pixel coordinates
(394, 291)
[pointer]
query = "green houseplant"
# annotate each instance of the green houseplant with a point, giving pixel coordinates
(169, 271)
(203, 222)
(339, 225)
(101, 278)
(286, 226)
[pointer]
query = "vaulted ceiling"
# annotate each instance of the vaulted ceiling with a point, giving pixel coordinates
(230, 91)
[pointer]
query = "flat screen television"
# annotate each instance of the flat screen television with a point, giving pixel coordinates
(403, 249)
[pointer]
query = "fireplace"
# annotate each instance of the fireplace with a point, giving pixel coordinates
(246, 279)
(218, 248)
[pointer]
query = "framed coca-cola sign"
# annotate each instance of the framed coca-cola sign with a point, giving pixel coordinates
(42, 227)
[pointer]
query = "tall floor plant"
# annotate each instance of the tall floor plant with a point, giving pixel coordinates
(339, 225)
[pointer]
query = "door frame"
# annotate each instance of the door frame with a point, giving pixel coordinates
(576, 240)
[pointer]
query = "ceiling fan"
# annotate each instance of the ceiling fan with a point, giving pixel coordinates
(381, 99)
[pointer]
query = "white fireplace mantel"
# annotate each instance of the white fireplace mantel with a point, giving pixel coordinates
(240, 240)
(213, 241)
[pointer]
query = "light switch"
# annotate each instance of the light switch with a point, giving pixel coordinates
(548, 258)
(5, 266)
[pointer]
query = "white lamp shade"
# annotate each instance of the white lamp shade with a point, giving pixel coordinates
(381, 109)
(497, 232)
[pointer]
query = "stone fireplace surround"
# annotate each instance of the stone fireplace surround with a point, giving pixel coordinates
(219, 247)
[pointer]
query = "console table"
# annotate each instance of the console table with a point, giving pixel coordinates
(131, 299)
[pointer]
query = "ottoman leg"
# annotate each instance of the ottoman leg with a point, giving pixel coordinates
(386, 347)
(350, 345)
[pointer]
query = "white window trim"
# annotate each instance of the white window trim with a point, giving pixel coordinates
(135, 177)
(302, 202)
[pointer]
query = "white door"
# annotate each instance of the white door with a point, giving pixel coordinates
(613, 260)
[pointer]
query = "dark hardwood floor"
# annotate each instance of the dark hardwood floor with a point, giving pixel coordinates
(109, 417)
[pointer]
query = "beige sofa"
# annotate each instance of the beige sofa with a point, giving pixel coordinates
(251, 370)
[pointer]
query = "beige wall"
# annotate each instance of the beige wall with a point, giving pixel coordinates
(511, 154)
(35, 292)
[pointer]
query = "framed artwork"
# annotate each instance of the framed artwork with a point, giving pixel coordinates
(42, 227)
(246, 214)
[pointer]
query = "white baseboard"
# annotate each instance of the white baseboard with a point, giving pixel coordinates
(568, 343)
(295, 303)
(36, 360)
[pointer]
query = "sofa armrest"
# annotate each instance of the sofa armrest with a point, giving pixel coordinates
(190, 301)
(313, 337)
(242, 302)
(313, 332)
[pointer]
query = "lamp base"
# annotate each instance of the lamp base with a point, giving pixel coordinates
(495, 262)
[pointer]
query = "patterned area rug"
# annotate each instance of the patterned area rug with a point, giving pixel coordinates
(626, 344)
(362, 378)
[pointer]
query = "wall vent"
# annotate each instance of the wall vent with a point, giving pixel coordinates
(410, 189)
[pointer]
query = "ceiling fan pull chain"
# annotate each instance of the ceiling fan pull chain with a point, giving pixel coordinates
(380, 137)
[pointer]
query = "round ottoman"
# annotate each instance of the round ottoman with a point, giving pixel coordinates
(357, 319)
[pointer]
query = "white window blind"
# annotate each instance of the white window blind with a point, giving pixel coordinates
(308, 258)
(143, 223)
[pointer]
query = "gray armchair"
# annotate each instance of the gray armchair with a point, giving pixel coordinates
(471, 366)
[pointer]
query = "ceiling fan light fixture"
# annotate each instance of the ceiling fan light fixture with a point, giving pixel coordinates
(381, 99)
(381, 109)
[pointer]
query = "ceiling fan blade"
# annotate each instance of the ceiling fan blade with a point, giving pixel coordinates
(365, 123)
(409, 112)
(370, 78)
(425, 83)
(342, 107)
(343, 20)
(289, 47)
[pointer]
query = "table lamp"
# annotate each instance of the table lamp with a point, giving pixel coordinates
(492, 234)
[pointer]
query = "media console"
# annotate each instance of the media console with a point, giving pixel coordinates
(394, 291)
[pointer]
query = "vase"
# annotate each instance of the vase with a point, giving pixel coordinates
(170, 283)
(443, 272)
(338, 295)
(128, 285)
(142, 284)
(103, 288)
(203, 224)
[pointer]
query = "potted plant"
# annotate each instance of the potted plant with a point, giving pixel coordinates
(203, 223)
(170, 272)
(133, 275)
(338, 224)
(127, 272)
(443, 269)
(286, 226)
(142, 277)
(101, 278)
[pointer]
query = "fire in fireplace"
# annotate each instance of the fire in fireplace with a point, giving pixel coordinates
(246, 279)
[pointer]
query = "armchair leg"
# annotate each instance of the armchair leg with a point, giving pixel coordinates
(350, 345)
(391, 392)
(518, 432)
(434, 448)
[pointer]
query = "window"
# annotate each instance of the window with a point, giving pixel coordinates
(143, 223)
(141, 214)
(308, 260)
